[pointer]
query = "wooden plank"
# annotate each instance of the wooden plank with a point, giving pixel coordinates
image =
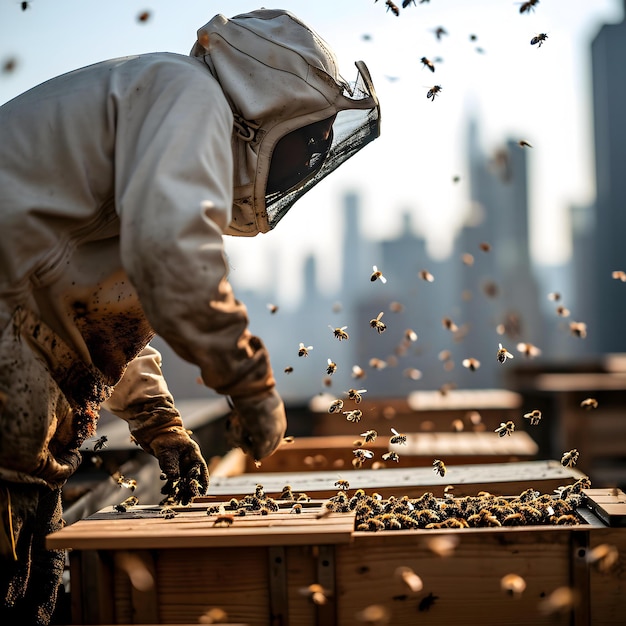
(503, 479)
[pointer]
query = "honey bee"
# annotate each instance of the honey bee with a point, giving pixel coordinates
(376, 324)
(505, 428)
(562, 311)
(288, 439)
(377, 275)
(471, 364)
(332, 367)
(129, 483)
(433, 91)
(168, 513)
(304, 351)
(619, 275)
(335, 406)
(428, 63)
(448, 324)
(340, 333)
(288, 369)
(358, 372)
(214, 615)
(562, 600)
(296, 508)
(355, 394)
(439, 467)
(397, 438)
(528, 349)
(569, 459)
(440, 31)
(555, 296)
(603, 557)
(468, 259)
(578, 329)
(377, 364)
(9, 65)
(391, 456)
(485, 247)
(503, 354)
(224, 520)
(540, 38)
(392, 7)
(513, 585)
(589, 403)
(316, 593)
(522, 143)
(427, 276)
(369, 436)
(410, 335)
(122, 507)
(272, 308)
(527, 7)
(144, 16)
(342, 484)
(353, 416)
(412, 373)
(362, 454)
(100, 443)
(409, 578)
(534, 416)
(396, 307)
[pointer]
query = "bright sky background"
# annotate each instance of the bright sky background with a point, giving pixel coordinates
(515, 90)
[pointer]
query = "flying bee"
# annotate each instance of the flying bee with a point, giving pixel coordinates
(505, 428)
(316, 593)
(355, 394)
(555, 296)
(578, 329)
(396, 307)
(540, 38)
(100, 443)
(342, 484)
(527, 7)
(391, 456)
(369, 436)
(440, 31)
(433, 91)
(410, 335)
(397, 437)
(448, 324)
(589, 403)
(428, 63)
(569, 459)
(289, 439)
(468, 259)
(513, 585)
(409, 578)
(377, 275)
(376, 324)
(288, 369)
(304, 351)
(362, 454)
(412, 373)
(522, 143)
(485, 246)
(439, 467)
(534, 416)
(340, 333)
(619, 275)
(272, 308)
(336, 406)
(471, 364)
(129, 483)
(144, 16)
(358, 372)
(427, 276)
(528, 349)
(392, 7)
(603, 557)
(562, 311)
(503, 354)
(353, 416)
(332, 367)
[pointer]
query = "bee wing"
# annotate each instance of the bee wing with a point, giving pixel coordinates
(382, 279)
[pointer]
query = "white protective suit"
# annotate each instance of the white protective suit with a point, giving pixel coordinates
(117, 182)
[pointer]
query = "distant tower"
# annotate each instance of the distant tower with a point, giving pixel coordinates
(608, 56)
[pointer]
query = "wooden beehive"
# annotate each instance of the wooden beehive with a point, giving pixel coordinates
(259, 568)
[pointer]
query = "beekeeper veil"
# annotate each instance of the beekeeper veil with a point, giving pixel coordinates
(296, 118)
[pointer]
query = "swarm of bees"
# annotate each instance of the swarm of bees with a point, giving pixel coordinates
(529, 508)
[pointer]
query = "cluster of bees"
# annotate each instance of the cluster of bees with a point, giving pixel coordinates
(373, 513)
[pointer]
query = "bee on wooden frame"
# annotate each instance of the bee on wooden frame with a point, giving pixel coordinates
(224, 520)
(355, 394)
(340, 333)
(304, 350)
(377, 275)
(439, 468)
(167, 513)
(505, 428)
(433, 91)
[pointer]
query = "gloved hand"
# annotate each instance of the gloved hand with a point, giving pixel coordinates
(182, 464)
(257, 424)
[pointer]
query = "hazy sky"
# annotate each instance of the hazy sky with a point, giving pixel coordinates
(514, 89)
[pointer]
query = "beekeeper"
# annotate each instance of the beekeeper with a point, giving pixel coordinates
(117, 183)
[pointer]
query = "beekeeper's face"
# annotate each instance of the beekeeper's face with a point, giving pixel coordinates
(299, 154)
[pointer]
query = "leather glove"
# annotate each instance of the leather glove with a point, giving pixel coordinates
(257, 423)
(182, 464)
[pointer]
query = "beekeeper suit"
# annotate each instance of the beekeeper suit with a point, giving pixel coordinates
(117, 183)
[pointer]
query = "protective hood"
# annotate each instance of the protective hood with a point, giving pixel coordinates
(280, 76)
